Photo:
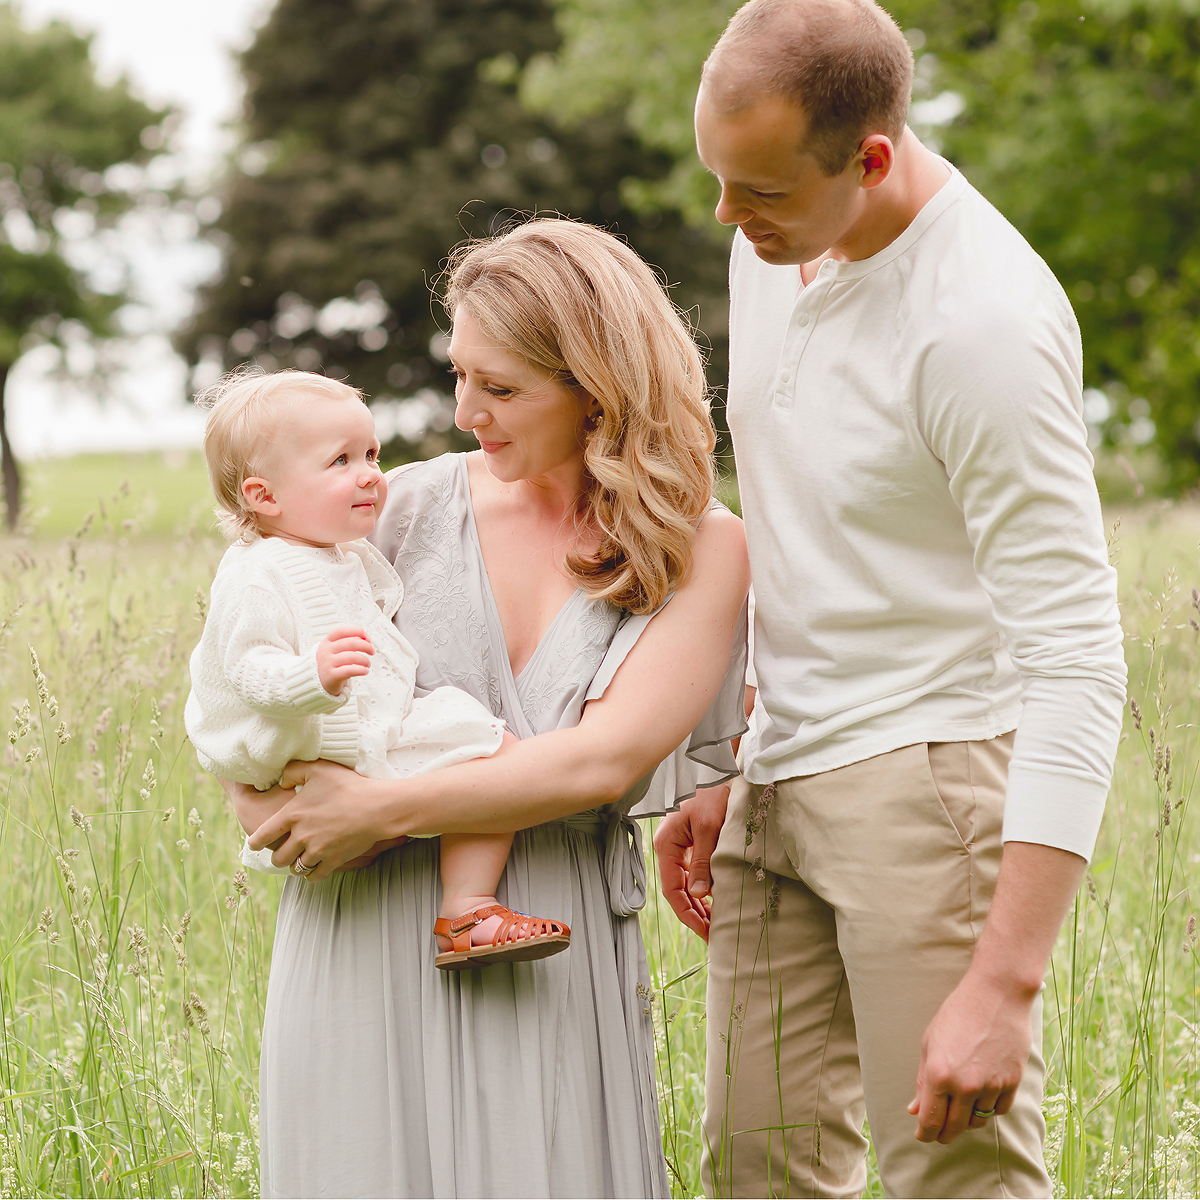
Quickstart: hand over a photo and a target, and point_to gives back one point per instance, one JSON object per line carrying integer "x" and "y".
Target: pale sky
{"x": 177, "y": 52}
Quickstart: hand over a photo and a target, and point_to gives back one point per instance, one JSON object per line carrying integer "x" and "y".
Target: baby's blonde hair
{"x": 245, "y": 409}
{"x": 579, "y": 304}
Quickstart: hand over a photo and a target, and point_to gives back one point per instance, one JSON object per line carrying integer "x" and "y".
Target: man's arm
{"x": 998, "y": 401}
{"x": 975, "y": 1049}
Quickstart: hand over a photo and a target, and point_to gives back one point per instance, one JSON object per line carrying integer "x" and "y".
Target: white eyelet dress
{"x": 383, "y": 1076}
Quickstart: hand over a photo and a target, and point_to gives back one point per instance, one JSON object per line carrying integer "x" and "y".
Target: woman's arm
{"x": 656, "y": 698}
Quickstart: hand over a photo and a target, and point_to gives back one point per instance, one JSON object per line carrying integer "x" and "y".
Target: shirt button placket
{"x": 795, "y": 340}
{"x": 808, "y": 306}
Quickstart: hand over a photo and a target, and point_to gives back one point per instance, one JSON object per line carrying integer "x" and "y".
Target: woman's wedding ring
{"x": 298, "y": 867}
{"x": 985, "y": 1112}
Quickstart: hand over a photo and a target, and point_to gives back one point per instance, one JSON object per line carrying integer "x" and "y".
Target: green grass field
{"x": 134, "y": 958}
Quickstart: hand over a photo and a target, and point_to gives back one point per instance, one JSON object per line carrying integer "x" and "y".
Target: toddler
{"x": 299, "y": 658}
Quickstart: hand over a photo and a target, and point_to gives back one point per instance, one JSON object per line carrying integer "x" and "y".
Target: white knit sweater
{"x": 257, "y": 702}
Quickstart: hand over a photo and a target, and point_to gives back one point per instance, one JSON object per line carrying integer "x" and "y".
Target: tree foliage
{"x": 380, "y": 133}
{"x": 644, "y": 57}
{"x": 1076, "y": 120}
{"x": 60, "y": 131}
{"x": 1079, "y": 126}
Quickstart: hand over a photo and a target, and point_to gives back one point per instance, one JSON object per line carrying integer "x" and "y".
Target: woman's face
{"x": 528, "y": 425}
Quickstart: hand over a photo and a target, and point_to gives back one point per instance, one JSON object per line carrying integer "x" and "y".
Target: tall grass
{"x": 134, "y": 956}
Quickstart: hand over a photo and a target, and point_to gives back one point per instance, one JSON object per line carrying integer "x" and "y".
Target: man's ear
{"x": 259, "y": 497}
{"x": 876, "y": 158}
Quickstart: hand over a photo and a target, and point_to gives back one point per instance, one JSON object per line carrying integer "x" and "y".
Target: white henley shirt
{"x": 926, "y": 542}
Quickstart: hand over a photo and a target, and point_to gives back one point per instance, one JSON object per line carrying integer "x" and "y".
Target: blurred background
{"x": 190, "y": 186}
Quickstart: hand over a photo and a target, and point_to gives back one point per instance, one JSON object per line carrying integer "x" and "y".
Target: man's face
{"x": 776, "y": 193}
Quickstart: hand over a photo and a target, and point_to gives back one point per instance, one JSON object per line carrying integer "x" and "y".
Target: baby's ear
{"x": 259, "y": 497}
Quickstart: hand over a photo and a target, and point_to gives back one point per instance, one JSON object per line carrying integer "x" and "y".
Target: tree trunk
{"x": 8, "y": 464}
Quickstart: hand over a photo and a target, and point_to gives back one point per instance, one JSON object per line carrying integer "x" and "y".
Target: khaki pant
{"x": 846, "y": 908}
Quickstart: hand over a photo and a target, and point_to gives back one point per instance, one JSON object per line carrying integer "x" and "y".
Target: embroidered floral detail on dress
{"x": 576, "y": 653}
{"x": 437, "y": 602}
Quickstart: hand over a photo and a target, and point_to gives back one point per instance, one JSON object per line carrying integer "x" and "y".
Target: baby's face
{"x": 324, "y": 482}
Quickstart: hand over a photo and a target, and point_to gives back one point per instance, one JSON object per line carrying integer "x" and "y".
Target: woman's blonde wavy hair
{"x": 577, "y": 303}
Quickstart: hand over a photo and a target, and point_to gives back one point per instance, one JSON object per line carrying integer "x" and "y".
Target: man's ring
{"x": 984, "y": 1112}
{"x": 298, "y": 867}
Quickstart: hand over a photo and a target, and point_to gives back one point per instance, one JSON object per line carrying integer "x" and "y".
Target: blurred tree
{"x": 60, "y": 130}
{"x": 1075, "y": 117}
{"x": 642, "y": 56}
{"x": 1079, "y": 124}
{"x": 378, "y": 134}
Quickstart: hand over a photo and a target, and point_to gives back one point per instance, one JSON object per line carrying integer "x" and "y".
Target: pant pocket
{"x": 950, "y": 769}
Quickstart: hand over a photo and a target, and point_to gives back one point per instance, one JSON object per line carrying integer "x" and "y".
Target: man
{"x": 930, "y": 571}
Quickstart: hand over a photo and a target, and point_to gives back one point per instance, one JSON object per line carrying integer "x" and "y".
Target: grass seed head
{"x": 24, "y": 723}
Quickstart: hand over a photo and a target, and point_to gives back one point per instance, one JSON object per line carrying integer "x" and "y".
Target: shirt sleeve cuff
{"x": 302, "y": 682}
{"x": 1054, "y": 808}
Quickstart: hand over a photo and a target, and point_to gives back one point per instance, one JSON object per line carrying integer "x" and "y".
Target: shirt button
{"x": 802, "y": 320}
{"x": 785, "y": 375}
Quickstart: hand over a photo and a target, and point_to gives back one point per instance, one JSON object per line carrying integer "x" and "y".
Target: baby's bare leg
{"x": 471, "y": 868}
{"x": 471, "y": 865}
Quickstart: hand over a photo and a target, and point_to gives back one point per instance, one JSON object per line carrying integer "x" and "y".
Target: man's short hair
{"x": 845, "y": 63}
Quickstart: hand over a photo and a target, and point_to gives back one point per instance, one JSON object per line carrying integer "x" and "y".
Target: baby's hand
{"x": 345, "y": 652}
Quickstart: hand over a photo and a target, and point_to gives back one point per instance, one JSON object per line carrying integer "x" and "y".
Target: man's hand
{"x": 972, "y": 1057}
{"x": 343, "y": 653}
{"x": 684, "y": 843}
{"x": 975, "y": 1049}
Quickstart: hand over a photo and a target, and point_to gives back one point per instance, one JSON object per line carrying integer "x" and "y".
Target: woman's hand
{"x": 252, "y": 808}
{"x": 329, "y": 822}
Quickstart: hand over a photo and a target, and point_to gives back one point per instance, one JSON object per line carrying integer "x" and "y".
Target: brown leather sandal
{"x": 519, "y": 938}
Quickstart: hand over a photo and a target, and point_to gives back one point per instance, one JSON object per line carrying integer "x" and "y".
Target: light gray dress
{"x": 383, "y": 1076}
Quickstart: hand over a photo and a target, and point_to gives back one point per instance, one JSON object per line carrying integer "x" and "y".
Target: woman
{"x": 576, "y": 559}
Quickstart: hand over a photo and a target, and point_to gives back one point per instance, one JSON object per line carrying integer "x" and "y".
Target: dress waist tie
{"x": 624, "y": 861}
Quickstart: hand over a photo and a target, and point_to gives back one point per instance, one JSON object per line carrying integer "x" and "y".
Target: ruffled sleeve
{"x": 705, "y": 758}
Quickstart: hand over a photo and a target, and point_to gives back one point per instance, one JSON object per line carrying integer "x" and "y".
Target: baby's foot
{"x": 463, "y": 906}
{"x": 468, "y": 940}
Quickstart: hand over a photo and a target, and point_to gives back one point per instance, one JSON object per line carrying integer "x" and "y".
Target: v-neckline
{"x": 489, "y": 596}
